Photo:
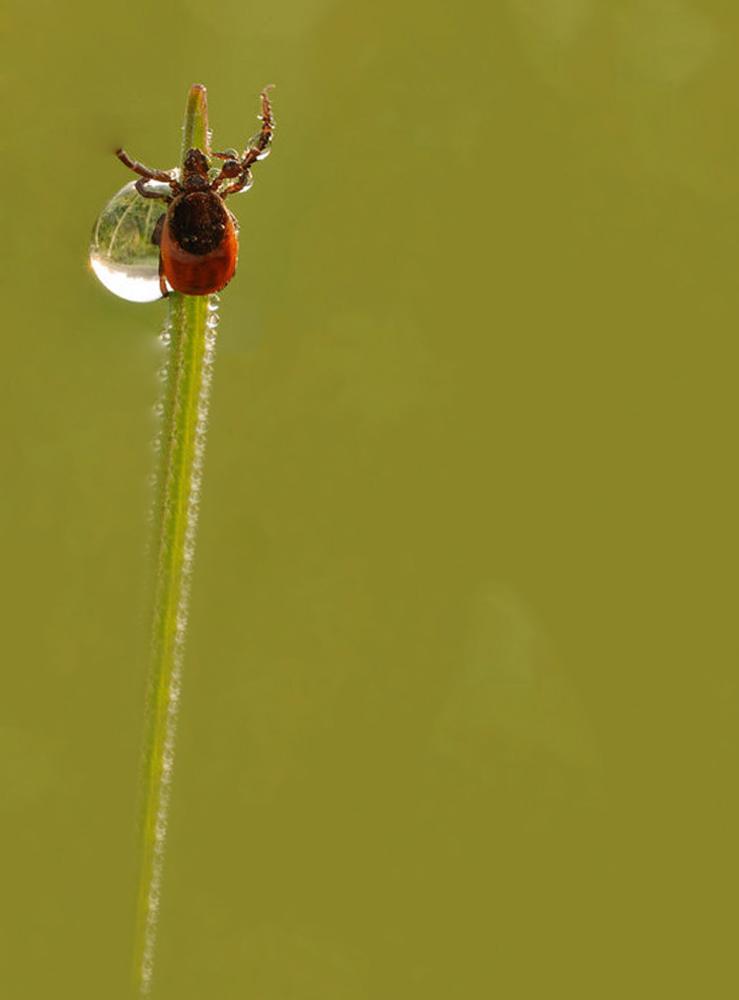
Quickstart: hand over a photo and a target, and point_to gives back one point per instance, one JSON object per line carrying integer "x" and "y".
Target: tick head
{"x": 196, "y": 170}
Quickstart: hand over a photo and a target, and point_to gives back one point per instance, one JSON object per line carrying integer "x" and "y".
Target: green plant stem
{"x": 191, "y": 334}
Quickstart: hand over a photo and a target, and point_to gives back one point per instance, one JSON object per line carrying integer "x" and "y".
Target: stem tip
{"x": 196, "y": 120}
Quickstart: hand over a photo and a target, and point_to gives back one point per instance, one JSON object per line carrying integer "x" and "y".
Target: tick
{"x": 198, "y": 236}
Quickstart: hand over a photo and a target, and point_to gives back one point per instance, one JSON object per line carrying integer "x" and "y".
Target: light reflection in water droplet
{"x": 247, "y": 187}
{"x": 131, "y": 284}
{"x": 121, "y": 252}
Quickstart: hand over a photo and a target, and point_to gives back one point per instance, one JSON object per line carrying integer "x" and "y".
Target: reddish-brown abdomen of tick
{"x": 199, "y": 245}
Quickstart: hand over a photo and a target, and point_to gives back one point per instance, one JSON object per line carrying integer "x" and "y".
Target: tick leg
{"x": 139, "y": 168}
{"x": 260, "y": 142}
{"x": 162, "y": 281}
{"x": 156, "y": 236}
{"x": 258, "y": 145}
{"x": 230, "y": 169}
{"x": 156, "y": 239}
{"x": 144, "y": 191}
{"x": 246, "y": 178}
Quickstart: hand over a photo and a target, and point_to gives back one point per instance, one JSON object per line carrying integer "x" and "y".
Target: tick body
{"x": 199, "y": 245}
{"x": 197, "y": 235}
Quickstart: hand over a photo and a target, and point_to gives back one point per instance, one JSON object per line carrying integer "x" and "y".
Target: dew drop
{"x": 121, "y": 252}
{"x": 247, "y": 187}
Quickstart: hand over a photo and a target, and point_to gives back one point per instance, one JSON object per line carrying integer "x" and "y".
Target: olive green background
{"x": 460, "y": 695}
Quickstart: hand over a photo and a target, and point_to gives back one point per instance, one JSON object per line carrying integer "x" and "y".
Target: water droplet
{"x": 165, "y": 337}
{"x": 248, "y": 186}
{"x": 121, "y": 252}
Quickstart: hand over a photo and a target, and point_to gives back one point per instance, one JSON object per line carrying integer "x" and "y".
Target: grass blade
{"x": 190, "y": 331}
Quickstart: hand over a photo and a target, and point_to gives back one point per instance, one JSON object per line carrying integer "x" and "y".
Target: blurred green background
{"x": 460, "y": 696}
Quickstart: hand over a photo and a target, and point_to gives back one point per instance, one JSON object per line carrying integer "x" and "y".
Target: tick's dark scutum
{"x": 198, "y": 222}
